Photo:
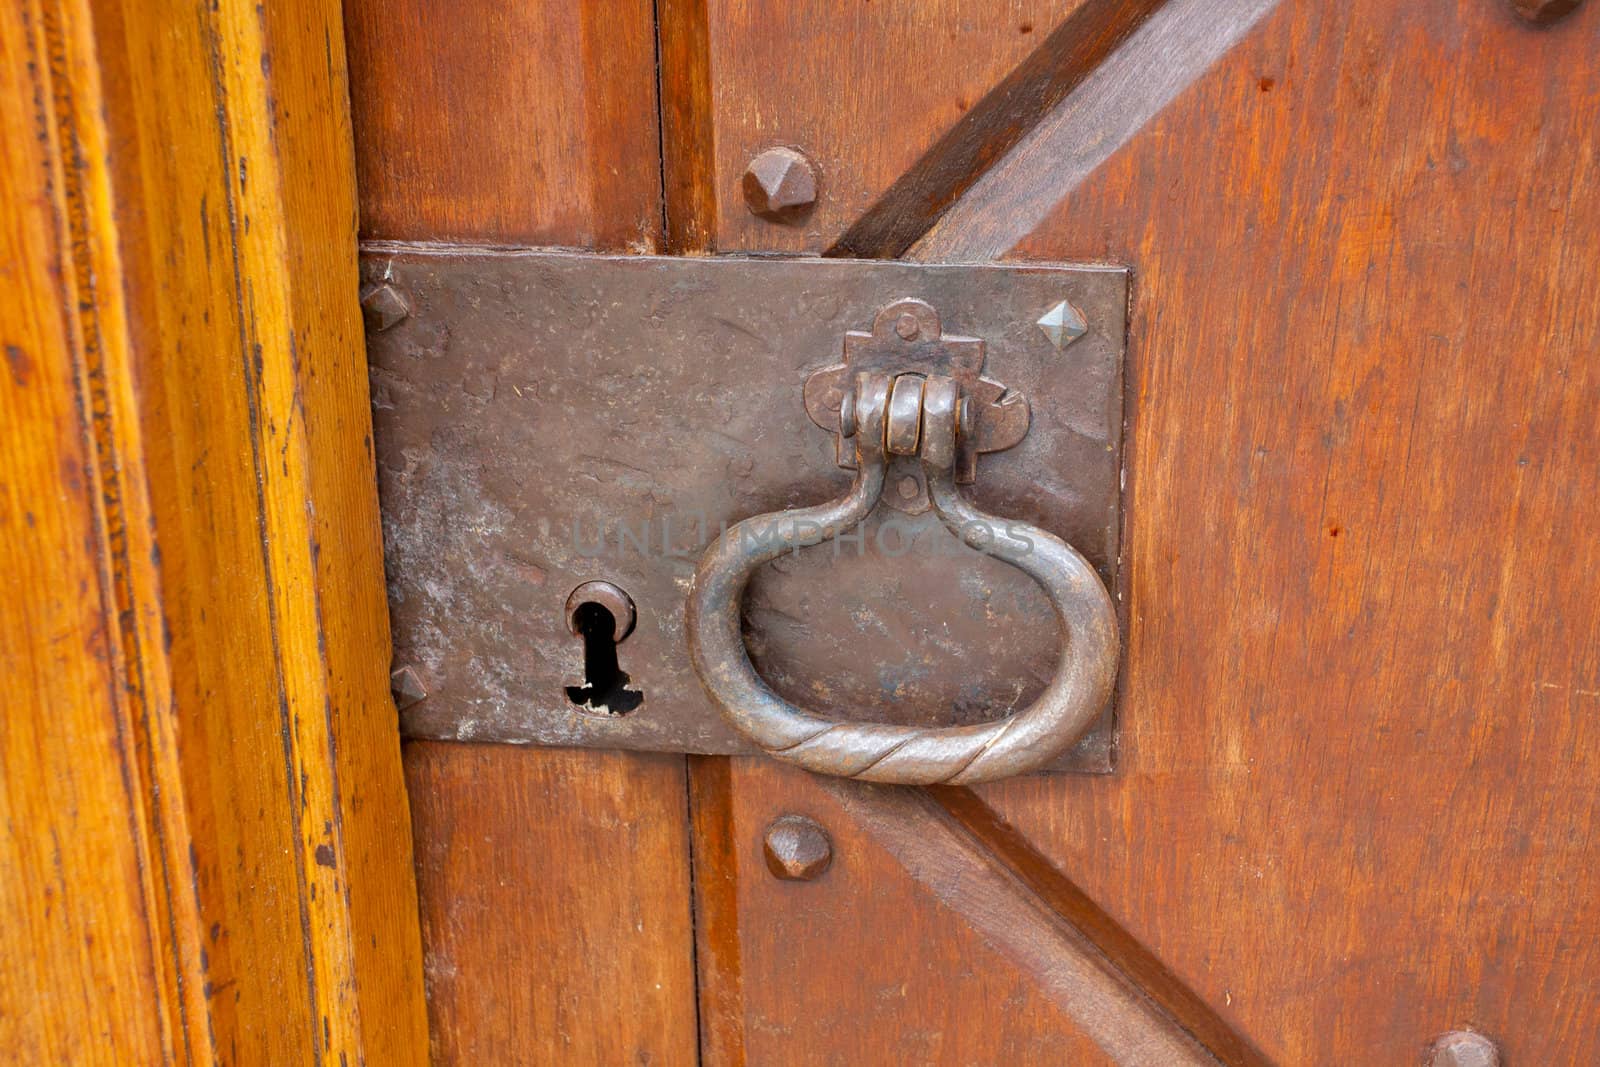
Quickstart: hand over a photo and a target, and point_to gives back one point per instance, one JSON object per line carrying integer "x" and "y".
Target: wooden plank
{"x": 987, "y": 130}
{"x": 688, "y": 131}
{"x": 554, "y": 904}
{"x": 870, "y": 963}
{"x": 533, "y": 122}
{"x": 1051, "y": 890}
{"x": 195, "y": 203}
{"x": 525, "y": 123}
{"x": 82, "y": 943}
{"x": 863, "y": 89}
{"x": 1104, "y": 1004}
{"x": 719, "y": 972}
{"x": 918, "y": 893}
{"x": 1357, "y": 798}
{"x": 1065, "y": 145}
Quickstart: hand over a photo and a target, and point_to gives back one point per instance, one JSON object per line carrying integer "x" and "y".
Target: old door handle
{"x": 905, "y": 414}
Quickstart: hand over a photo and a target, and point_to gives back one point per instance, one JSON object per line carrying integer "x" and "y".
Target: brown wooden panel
{"x": 952, "y": 955}
{"x": 78, "y": 950}
{"x": 1358, "y": 810}
{"x": 555, "y": 904}
{"x": 869, "y": 963}
{"x": 533, "y": 122}
{"x": 1357, "y": 801}
{"x": 191, "y": 194}
{"x": 249, "y": 350}
{"x": 862, "y": 89}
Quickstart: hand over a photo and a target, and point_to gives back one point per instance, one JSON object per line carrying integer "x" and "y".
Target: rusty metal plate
{"x": 544, "y": 420}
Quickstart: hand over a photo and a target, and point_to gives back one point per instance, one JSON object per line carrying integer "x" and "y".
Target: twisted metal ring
{"x": 883, "y": 752}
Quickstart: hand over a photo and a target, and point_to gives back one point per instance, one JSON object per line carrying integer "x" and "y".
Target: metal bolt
{"x": 847, "y": 413}
{"x": 382, "y": 307}
{"x": 407, "y": 688}
{"x": 1544, "y": 12}
{"x": 1462, "y": 1048}
{"x": 797, "y": 849}
{"x": 907, "y": 327}
{"x": 780, "y": 184}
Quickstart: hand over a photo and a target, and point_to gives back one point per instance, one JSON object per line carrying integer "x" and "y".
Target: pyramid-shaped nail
{"x": 1063, "y": 324}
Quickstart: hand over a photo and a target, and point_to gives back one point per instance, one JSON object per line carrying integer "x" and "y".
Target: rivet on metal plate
{"x": 1063, "y": 324}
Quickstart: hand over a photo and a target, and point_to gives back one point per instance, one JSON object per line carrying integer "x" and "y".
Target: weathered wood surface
{"x": 524, "y": 123}
{"x": 80, "y": 945}
{"x": 864, "y": 90}
{"x": 1357, "y": 796}
{"x": 554, "y": 904}
{"x": 206, "y": 849}
{"x": 1356, "y": 806}
{"x": 871, "y": 963}
{"x": 534, "y": 123}
{"x": 1355, "y": 802}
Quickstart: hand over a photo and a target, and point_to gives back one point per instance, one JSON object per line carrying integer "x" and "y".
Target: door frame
{"x": 209, "y": 840}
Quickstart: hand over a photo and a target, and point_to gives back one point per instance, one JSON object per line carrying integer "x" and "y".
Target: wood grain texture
{"x": 1357, "y": 798}
{"x": 555, "y": 904}
{"x": 534, "y": 123}
{"x": 1049, "y": 888}
{"x": 718, "y": 937}
{"x": 1105, "y": 109}
{"x": 984, "y": 967}
{"x": 868, "y": 963}
{"x": 526, "y": 123}
{"x": 688, "y": 129}
{"x": 84, "y": 976}
{"x": 862, "y": 89}
{"x": 919, "y": 196}
{"x": 192, "y": 200}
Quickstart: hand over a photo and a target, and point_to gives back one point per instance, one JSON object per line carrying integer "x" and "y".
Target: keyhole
{"x": 605, "y": 687}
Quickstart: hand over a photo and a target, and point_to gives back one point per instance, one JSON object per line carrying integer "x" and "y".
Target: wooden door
{"x": 1354, "y": 794}
{"x": 203, "y": 847}
{"x": 1351, "y": 816}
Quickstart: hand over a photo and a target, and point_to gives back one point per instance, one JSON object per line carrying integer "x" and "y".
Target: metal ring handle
{"x": 883, "y": 752}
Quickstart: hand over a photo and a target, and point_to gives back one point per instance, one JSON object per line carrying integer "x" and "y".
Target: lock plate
{"x": 543, "y": 420}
